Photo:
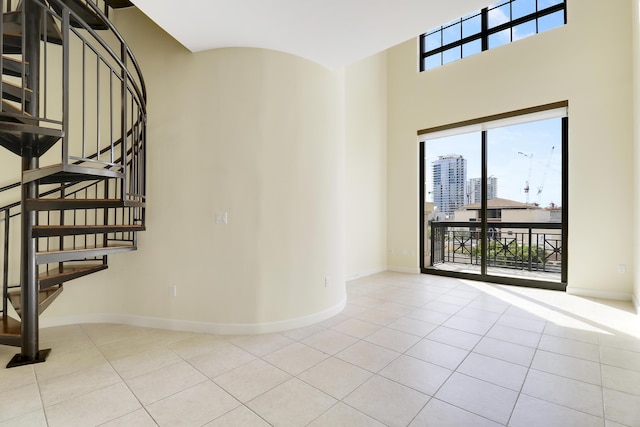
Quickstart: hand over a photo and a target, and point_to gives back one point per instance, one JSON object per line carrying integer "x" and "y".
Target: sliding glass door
{"x": 493, "y": 199}
{"x": 453, "y": 162}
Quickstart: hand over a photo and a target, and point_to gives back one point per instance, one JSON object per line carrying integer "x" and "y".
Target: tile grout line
{"x": 524, "y": 381}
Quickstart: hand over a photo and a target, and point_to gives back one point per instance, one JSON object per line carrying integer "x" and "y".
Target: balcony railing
{"x": 524, "y": 246}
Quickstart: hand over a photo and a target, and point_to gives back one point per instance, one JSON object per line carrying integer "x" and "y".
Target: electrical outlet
{"x": 326, "y": 281}
{"x": 173, "y": 290}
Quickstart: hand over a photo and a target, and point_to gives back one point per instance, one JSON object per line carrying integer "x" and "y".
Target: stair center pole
{"x": 28, "y": 274}
{"x": 29, "y": 282}
{"x": 30, "y": 351}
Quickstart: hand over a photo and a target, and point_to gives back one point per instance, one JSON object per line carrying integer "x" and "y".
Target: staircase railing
{"x": 106, "y": 100}
{"x": 131, "y": 213}
{"x": 92, "y": 95}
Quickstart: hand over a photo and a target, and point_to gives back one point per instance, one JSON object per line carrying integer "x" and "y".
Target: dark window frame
{"x": 485, "y": 31}
{"x": 483, "y": 212}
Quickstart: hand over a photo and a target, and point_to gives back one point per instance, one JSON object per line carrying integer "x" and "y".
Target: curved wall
{"x": 257, "y": 134}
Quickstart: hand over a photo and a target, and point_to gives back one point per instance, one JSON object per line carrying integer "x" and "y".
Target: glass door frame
{"x": 484, "y": 276}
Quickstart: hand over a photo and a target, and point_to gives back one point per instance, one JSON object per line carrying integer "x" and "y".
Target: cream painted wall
{"x": 586, "y": 62}
{"x": 255, "y": 133}
{"x": 366, "y": 166}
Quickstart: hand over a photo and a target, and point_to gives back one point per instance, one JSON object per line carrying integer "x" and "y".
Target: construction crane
{"x": 544, "y": 175}
{"x": 526, "y": 183}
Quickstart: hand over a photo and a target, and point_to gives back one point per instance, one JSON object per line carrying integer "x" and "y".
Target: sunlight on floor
{"x": 606, "y": 317}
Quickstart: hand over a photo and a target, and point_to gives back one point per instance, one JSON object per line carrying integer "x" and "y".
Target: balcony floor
{"x": 497, "y": 271}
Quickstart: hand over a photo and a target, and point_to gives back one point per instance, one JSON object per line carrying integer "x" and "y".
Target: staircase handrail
{"x": 142, "y": 92}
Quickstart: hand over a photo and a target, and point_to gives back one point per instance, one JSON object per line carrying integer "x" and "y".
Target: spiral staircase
{"x": 74, "y": 112}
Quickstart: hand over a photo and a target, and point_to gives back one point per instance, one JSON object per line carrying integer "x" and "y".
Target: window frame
{"x": 485, "y": 31}
{"x": 482, "y": 124}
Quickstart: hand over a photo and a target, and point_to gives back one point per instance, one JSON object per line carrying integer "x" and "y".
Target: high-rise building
{"x": 474, "y": 190}
{"x": 449, "y": 182}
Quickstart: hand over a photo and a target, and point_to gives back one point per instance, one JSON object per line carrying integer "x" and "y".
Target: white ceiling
{"x": 332, "y": 33}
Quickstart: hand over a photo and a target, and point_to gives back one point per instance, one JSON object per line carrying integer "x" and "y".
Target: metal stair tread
{"x": 11, "y": 135}
{"x": 68, "y": 230}
{"x": 85, "y": 252}
{"x": 68, "y": 173}
{"x": 30, "y": 128}
{"x": 45, "y": 204}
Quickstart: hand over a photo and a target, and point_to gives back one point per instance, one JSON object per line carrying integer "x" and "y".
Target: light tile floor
{"x": 408, "y": 350}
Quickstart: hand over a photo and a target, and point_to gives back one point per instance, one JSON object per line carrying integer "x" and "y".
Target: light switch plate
{"x": 221, "y": 217}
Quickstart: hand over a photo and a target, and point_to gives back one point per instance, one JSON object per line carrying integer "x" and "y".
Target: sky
{"x": 498, "y": 13}
{"x": 529, "y": 152}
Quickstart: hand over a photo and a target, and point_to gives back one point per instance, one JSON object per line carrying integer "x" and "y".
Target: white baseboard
{"x": 193, "y": 326}
{"x": 408, "y": 270}
{"x": 592, "y": 293}
{"x": 366, "y": 273}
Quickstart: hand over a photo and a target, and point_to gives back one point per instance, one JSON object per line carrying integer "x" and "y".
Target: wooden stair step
{"x": 14, "y": 67}
{"x": 78, "y": 254}
{"x": 61, "y": 173}
{"x": 9, "y": 326}
{"x": 73, "y": 230}
{"x": 12, "y": 133}
{"x": 45, "y": 298}
{"x": 66, "y": 272}
{"x": 10, "y": 331}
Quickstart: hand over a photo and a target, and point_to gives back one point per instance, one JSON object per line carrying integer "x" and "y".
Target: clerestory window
{"x": 495, "y": 25}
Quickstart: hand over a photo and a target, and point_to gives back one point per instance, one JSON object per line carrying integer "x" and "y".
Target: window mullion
{"x": 565, "y": 197}
{"x": 511, "y": 20}
{"x": 536, "y": 15}
{"x": 453, "y": 44}
{"x": 461, "y": 44}
{"x": 485, "y": 28}
{"x": 485, "y": 31}
{"x": 441, "y": 43}
{"x": 483, "y": 205}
